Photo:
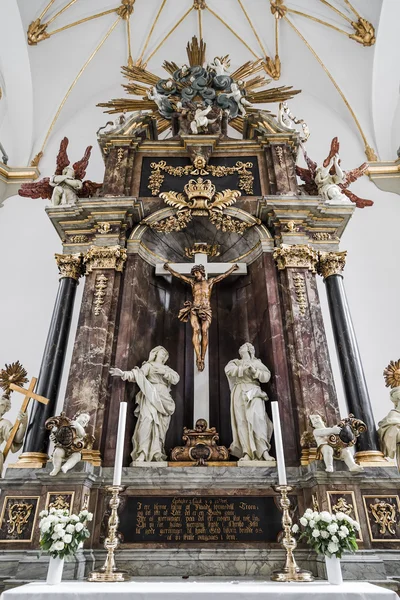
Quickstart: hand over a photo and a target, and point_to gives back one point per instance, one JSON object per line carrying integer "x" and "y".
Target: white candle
{"x": 119, "y": 451}
{"x": 280, "y": 459}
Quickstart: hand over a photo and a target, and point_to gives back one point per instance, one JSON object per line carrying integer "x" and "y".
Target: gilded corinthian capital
{"x": 104, "y": 257}
{"x": 297, "y": 256}
{"x": 331, "y": 263}
{"x": 69, "y": 265}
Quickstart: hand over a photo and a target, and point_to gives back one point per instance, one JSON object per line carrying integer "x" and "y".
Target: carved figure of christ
{"x": 199, "y": 313}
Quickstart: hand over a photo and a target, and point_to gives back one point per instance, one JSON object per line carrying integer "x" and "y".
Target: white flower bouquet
{"x": 327, "y": 534}
{"x": 62, "y": 534}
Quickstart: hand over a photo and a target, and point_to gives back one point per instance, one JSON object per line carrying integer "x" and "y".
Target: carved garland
{"x": 99, "y": 293}
{"x": 246, "y": 178}
{"x": 300, "y": 291}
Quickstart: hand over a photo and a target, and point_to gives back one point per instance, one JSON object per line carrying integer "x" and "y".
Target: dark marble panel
{"x": 173, "y": 182}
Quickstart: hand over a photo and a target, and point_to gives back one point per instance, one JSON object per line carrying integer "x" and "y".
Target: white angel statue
{"x": 389, "y": 428}
{"x": 251, "y": 426}
{"x": 236, "y": 94}
{"x": 328, "y": 182}
{"x": 155, "y": 405}
{"x": 65, "y": 187}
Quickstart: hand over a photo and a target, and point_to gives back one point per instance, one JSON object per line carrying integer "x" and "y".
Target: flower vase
{"x": 333, "y": 570}
{"x": 55, "y": 571}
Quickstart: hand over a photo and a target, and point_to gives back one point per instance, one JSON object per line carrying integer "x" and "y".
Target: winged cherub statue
{"x": 66, "y": 185}
{"x": 329, "y": 181}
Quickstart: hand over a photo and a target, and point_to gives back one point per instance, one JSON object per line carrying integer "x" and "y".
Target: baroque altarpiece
{"x": 200, "y": 193}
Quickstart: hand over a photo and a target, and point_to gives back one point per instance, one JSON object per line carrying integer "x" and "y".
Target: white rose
{"x": 325, "y": 516}
{"x": 308, "y": 512}
{"x": 59, "y": 546}
{"x": 79, "y": 527}
{"x": 332, "y": 528}
{"x": 324, "y": 534}
{"x": 332, "y": 548}
{"x": 55, "y": 536}
{"x": 356, "y": 526}
{"x": 89, "y": 517}
{"x": 64, "y": 519}
{"x": 59, "y": 527}
{"x": 316, "y": 533}
{"x": 74, "y": 518}
{"x": 295, "y": 528}
{"x": 44, "y": 528}
{"x": 317, "y": 518}
{"x": 67, "y": 538}
{"x": 70, "y": 528}
{"x": 341, "y": 535}
{"x": 312, "y": 523}
{"x": 335, "y": 539}
{"x": 303, "y": 521}
{"x": 84, "y": 513}
{"x": 341, "y": 516}
{"x": 344, "y": 529}
{"x": 43, "y": 513}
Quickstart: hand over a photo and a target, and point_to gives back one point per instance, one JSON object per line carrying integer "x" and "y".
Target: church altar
{"x": 232, "y": 590}
{"x": 200, "y": 316}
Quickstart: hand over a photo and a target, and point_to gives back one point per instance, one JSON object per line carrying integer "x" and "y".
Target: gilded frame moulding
{"x": 331, "y": 263}
{"x": 246, "y": 178}
{"x": 299, "y": 256}
{"x": 378, "y": 520}
{"x": 70, "y": 265}
{"x": 104, "y": 257}
{"x": 2, "y": 518}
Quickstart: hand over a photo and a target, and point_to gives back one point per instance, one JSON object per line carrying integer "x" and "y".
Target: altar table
{"x": 199, "y": 590}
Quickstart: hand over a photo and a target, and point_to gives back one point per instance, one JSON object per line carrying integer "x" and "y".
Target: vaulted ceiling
{"x": 71, "y": 58}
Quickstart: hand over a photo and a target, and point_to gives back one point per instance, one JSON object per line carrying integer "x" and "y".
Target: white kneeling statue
{"x": 251, "y": 426}
{"x": 155, "y": 405}
{"x": 389, "y": 428}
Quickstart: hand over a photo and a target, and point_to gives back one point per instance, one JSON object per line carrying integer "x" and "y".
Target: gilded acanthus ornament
{"x": 37, "y": 32}
{"x": 99, "y": 293}
{"x": 385, "y": 516}
{"x": 126, "y": 9}
{"x": 331, "y": 263}
{"x": 202, "y": 248}
{"x": 300, "y": 256}
{"x": 201, "y": 445}
{"x": 69, "y": 265}
{"x": 364, "y": 32}
{"x": 105, "y": 257}
{"x": 60, "y": 502}
{"x": 300, "y": 291}
{"x": 201, "y": 200}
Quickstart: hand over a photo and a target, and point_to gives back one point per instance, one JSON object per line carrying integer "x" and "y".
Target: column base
{"x": 92, "y": 456}
{"x": 30, "y": 460}
{"x": 372, "y": 458}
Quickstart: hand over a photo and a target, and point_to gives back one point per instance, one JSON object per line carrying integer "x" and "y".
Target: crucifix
{"x": 29, "y": 393}
{"x": 199, "y": 311}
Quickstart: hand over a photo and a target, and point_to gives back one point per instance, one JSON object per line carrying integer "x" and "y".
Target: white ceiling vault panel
{"x": 66, "y": 80}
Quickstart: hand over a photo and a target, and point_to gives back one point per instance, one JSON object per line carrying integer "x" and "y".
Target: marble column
{"x": 37, "y": 437}
{"x": 89, "y": 381}
{"x": 311, "y": 378}
{"x": 331, "y": 265}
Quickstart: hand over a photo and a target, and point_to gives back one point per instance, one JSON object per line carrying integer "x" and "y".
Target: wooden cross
{"x": 29, "y": 393}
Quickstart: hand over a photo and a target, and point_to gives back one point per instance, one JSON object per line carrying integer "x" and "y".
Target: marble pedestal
{"x": 251, "y": 556}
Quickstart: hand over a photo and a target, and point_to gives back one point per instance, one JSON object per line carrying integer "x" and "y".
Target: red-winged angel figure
{"x": 66, "y": 185}
{"x": 308, "y": 175}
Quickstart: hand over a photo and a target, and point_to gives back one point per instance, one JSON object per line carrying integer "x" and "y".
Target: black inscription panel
{"x": 169, "y": 181}
{"x": 194, "y": 519}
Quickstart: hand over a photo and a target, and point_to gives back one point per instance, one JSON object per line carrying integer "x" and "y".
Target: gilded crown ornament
{"x": 202, "y": 248}
{"x": 199, "y": 189}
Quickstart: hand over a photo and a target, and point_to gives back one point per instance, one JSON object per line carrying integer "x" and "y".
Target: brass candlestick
{"x": 290, "y": 572}
{"x": 109, "y": 571}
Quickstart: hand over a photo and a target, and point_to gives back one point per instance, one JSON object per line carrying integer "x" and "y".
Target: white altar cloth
{"x": 199, "y": 590}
